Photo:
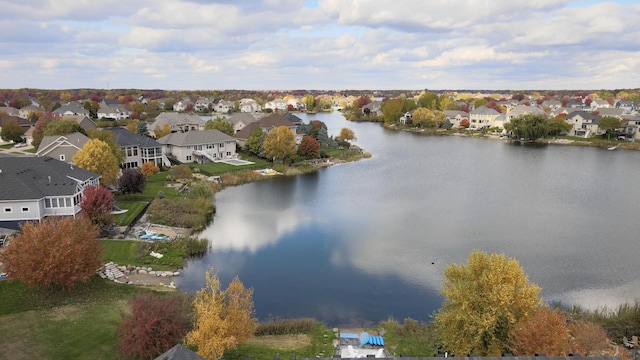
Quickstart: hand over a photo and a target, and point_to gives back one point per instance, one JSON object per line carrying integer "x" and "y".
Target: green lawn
{"x": 134, "y": 207}
{"x": 136, "y": 253}
{"x": 154, "y": 185}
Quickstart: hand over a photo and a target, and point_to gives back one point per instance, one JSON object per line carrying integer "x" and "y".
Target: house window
{"x": 8, "y": 210}
{"x": 228, "y": 153}
{"x": 62, "y": 157}
{"x": 47, "y": 203}
{"x": 188, "y": 157}
{"x": 221, "y": 145}
{"x": 209, "y": 146}
{"x": 25, "y": 209}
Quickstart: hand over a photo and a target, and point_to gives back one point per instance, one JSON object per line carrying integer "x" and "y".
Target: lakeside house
{"x": 199, "y": 146}
{"x": 265, "y": 124}
{"x": 37, "y": 187}
{"x": 138, "y": 149}
{"x": 177, "y": 122}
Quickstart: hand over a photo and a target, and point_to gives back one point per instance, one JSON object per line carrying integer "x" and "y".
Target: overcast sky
{"x": 320, "y": 44}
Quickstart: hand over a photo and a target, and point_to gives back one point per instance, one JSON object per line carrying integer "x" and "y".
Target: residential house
{"x": 627, "y": 105}
{"x": 551, "y": 104}
{"x": 202, "y": 105}
{"x": 296, "y": 104}
{"x": 276, "y": 105}
{"x": 265, "y": 124}
{"x": 37, "y": 187}
{"x": 249, "y": 106}
{"x": 630, "y": 127}
{"x": 294, "y": 119}
{"x": 25, "y": 111}
{"x": 575, "y": 103}
{"x": 225, "y": 107}
{"x": 71, "y": 109}
{"x": 84, "y": 121}
{"x": 584, "y": 123}
{"x": 61, "y": 147}
{"x": 240, "y": 120}
{"x": 455, "y": 117}
{"x": 613, "y": 112}
{"x": 524, "y": 110}
{"x": 178, "y": 122}
{"x": 24, "y": 124}
{"x": 115, "y": 111}
{"x": 597, "y": 104}
{"x": 499, "y": 122}
{"x": 182, "y": 105}
{"x": 559, "y": 111}
{"x": 373, "y": 108}
{"x": 8, "y": 110}
{"x": 138, "y": 149}
{"x": 482, "y": 117}
{"x": 407, "y": 118}
{"x": 199, "y": 146}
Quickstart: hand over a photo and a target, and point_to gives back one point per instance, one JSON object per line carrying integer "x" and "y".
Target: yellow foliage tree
{"x": 161, "y": 131}
{"x": 132, "y": 126}
{"x": 96, "y": 156}
{"x": 279, "y": 144}
{"x": 484, "y": 299}
{"x": 223, "y": 320}
{"x": 149, "y": 169}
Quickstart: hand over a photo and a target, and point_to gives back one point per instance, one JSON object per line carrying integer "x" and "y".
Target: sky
{"x": 320, "y": 44}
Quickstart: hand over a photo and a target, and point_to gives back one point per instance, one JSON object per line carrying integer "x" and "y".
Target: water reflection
{"x": 370, "y": 239}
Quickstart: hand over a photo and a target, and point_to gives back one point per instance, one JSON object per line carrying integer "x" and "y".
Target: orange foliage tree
{"x": 154, "y": 326}
{"x": 149, "y": 169}
{"x": 551, "y": 332}
{"x": 55, "y": 253}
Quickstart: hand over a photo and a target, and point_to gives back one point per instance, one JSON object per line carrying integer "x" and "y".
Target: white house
{"x": 200, "y": 146}
{"x": 584, "y": 124}
{"x": 249, "y": 106}
{"x": 276, "y": 105}
{"x": 482, "y": 117}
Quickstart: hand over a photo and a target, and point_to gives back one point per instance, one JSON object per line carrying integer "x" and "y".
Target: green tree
{"x": 96, "y": 156}
{"x": 557, "y": 126}
{"x": 392, "y": 110}
{"x": 527, "y": 126}
{"x": 254, "y": 142}
{"x": 484, "y": 299}
{"x": 309, "y": 101}
{"x": 429, "y": 100}
{"x": 609, "y": 124}
{"x": 92, "y": 107}
{"x": 279, "y": 144}
{"x": 11, "y": 131}
{"x": 221, "y": 124}
{"x": 63, "y": 127}
{"x": 142, "y": 129}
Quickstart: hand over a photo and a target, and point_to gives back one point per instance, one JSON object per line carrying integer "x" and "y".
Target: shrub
{"x": 155, "y": 325}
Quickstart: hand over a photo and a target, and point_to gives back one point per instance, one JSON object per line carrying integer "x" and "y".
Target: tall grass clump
{"x": 287, "y": 327}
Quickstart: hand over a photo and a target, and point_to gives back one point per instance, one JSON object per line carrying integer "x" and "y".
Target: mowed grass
{"x": 154, "y": 184}
{"x": 78, "y": 324}
{"x": 134, "y": 209}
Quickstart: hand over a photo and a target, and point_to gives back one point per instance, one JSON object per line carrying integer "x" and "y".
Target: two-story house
{"x": 240, "y": 120}
{"x": 482, "y": 117}
{"x": 199, "y": 146}
{"x": 249, "y": 106}
{"x": 455, "y": 117}
{"x": 138, "y": 149}
{"x": 37, "y": 187}
{"x": 225, "y": 106}
{"x": 61, "y": 147}
{"x": 584, "y": 123}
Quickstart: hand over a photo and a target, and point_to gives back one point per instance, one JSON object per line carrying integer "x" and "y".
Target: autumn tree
{"x": 149, "y": 169}
{"x": 223, "y": 319}
{"x": 484, "y": 299}
{"x": 609, "y": 124}
{"x": 132, "y": 126}
{"x": 96, "y": 156}
{"x": 465, "y": 123}
{"x": 109, "y": 138}
{"x": 429, "y": 100}
{"x": 347, "y": 134}
{"x": 161, "y": 131}
{"x": 154, "y": 326}
{"x": 62, "y": 127}
{"x": 220, "y": 124}
{"x": 423, "y": 117}
{"x": 92, "y": 107}
{"x": 97, "y": 203}
{"x": 132, "y": 181}
{"x": 279, "y": 144}
{"x": 309, "y": 147}
{"x": 392, "y": 110}
{"x": 11, "y": 131}
{"x": 552, "y": 332}
{"x": 57, "y": 252}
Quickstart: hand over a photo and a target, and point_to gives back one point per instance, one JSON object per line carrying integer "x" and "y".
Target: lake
{"x": 362, "y": 242}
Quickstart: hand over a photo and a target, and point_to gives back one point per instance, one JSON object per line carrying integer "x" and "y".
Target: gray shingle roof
{"x": 179, "y": 352}
{"x": 37, "y": 177}
{"x": 125, "y": 137}
{"x": 76, "y": 139}
{"x": 195, "y": 138}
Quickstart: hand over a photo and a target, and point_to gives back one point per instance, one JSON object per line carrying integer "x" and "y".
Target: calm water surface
{"x": 369, "y": 240}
